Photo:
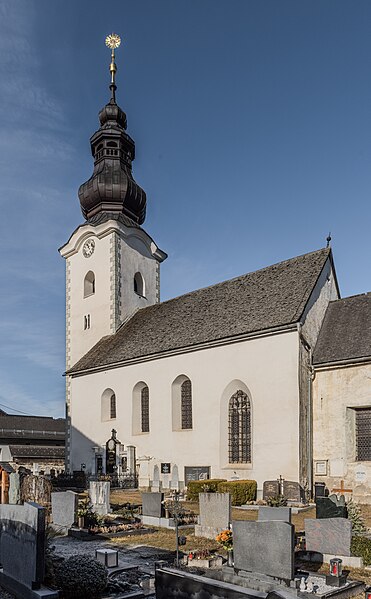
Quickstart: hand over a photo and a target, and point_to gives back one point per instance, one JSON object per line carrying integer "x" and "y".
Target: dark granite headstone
{"x": 271, "y": 488}
{"x": 330, "y": 535}
{"x": 292, "y": 491}
{"x": 274, "y": 513}
{"x": 22, "y": 543}
{"x": 331, "y": 507}
{"x": 264, "y": 547}
{"x": 152, "y": 504}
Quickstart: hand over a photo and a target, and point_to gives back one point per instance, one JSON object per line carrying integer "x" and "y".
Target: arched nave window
{"x": 239, "y": 420}
{"x": 181, "y": 393}
{"x": 89, "y": 283}
{"x": 140, "y": 410}
{"x": 108, "y": 405}
{"x": 144, "y": 408}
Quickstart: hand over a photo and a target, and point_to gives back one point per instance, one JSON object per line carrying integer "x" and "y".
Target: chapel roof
{"x": 268, "y": 298}
{"x": 346, "y": 331}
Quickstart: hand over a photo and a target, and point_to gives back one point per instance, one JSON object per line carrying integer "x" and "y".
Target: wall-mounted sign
{"x": 165, "y": 468}
{"x": 321, "y": 468}
{"x": 196, "y": 473}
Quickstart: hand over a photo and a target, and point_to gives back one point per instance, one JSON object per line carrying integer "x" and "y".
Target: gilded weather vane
{"x": 113, "y": 41}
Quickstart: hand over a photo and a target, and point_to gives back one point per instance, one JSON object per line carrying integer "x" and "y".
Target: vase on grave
{"x": 230, "y": 558}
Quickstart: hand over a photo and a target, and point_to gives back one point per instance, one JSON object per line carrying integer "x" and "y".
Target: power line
{"x": 15, "y": 410}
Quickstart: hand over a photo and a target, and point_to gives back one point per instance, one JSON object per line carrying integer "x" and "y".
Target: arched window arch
{"x": 140, "y": 410}
{"x": 139, "y": 286}
{"x": 144, "y": 409}
{"x": 181, "y": 396}
{"x": 239, "y": 428}
{"x": 89, "y": 283}
{"x": 108, "y": 405}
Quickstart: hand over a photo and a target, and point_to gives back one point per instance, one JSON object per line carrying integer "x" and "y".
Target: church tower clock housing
{"x": 112, "y": 264}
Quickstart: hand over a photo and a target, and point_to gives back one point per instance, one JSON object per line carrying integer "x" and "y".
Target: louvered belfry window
{"x": 363, "y": 434}
{"x": 145, "y": 409}
{"x": 239, "y": 428}
{"x": 186, "y": 404}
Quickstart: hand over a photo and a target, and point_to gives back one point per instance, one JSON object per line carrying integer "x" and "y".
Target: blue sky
{"x": 252, "y": 127}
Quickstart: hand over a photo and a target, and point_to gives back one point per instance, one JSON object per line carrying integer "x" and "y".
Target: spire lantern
{"x": 111, "y": 188}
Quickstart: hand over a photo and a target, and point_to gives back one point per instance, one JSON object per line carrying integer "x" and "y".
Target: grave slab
{"x": 331, "y": 507}
{"x": 99, "y": 493}
{"x": 329, "y": 535}
{"x": 274, "y": 513}
{"x": 215, "y": 514}
{"x": 152, "y": 504}
{"x": 271, "y": 488}
{"x": 264, "y": 547}
{"x": 64, "y": 508}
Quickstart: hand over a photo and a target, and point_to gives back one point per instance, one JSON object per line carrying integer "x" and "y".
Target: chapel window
{"x": 186, "y": 404}
{"x": 239, "y": 428}
{"x": 89, "y": 284}
{"x": 108, "y": 405}
{"x": 363, "y": 434}
{"x": 144, "y": 408}
{"x": 86, "y": 322}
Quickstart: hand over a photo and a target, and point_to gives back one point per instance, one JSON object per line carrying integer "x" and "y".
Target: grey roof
{"x": 346, "y": 331}
{"x": 45, "y": 427}
{"x": 271, "y": 297}
{"x": 33, "y": 451}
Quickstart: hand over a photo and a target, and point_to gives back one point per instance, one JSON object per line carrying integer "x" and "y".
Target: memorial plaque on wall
{"x": 165, "y": 468}
{"x": 292, "y": 491}
{"x": 196, "y": 473}
{"x": 271, "y": 488}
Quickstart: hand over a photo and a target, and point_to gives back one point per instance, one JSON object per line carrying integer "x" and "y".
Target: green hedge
{"x": 241, "y": 491}
{"x": 209, "y": 485}
{"x": 361, "y": 547}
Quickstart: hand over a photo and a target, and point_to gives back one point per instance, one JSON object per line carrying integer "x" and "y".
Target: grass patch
{"x": 165, "y": 539}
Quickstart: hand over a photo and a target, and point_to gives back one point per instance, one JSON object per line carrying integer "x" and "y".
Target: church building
{"x": 222, "y": 382}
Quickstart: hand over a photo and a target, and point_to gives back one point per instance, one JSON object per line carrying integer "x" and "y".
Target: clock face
{"x": 88, "y": 248}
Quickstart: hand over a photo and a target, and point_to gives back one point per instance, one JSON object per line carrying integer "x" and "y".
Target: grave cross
{"x": 342, "y": 489}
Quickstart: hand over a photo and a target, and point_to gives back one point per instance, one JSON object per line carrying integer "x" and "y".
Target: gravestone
{"x": 99, "y": 494}
{"x": 274, "y": 513}
{"x": 155, "y": 487}
{"x": 271, "y": 488}
{"x": 215, "y": 514}
{"x": 36, "y": 489}
{"x": 22, "y": 549}
{"x": 64, "y": 508}
{"x": 152, "y": 504}
{"x": 174, "y": 482}
{"x": 264, "y": 547}
{"x": 14, "y": 488}
{"x": 330, "y": 535}
{"x": 292, "y": 491}
{"x": 331, "y": 507}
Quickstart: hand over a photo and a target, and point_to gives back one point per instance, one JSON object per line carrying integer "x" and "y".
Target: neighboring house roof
{"x": 34, "y": 451}
{"x": 271, "y": 297}
{"x": 31, "y": 427}
{"x": 346, "y": 331}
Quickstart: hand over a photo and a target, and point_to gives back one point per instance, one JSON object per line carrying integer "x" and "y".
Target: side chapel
{"x": 251, "y": 378}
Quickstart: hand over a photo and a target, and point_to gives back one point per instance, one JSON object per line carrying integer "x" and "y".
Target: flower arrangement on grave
{"x": 225, "y": 539}
{"x": 199, "y": 554}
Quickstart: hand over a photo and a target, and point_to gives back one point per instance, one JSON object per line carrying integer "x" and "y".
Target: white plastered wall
{"x": 336, "y": 392}
{"x": 267, "y": 367}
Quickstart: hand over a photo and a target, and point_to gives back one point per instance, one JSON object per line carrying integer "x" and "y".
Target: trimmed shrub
{"x": 361, "y": 547}
{"x": 241, "y": 491}
{"x": 195, "y": 487}
{"x": 80, "y": 576}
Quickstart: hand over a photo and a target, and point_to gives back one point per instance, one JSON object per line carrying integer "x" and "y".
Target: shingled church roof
{"x": 271, "y": 297}
{"x": 346, "y": 331}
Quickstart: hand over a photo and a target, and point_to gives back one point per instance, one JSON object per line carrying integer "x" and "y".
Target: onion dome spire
{"x": 111, "y": 188}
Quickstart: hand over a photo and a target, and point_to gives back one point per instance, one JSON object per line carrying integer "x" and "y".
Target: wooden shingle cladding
{"x": 273, "y": 297}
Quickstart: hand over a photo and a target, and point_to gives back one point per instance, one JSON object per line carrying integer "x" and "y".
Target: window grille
{"x": 113, "y": 406}
{"x": 363, "y": 434}
{"x": 239, "y": 428}
{"x": 145, "y": 409}
{"x": 186, "y": 404}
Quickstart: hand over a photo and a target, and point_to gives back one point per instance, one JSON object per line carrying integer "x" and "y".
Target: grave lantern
{"x": 336, "y": 567}
{"x": 108, "y": 557}
{"x": 368, "y": 593}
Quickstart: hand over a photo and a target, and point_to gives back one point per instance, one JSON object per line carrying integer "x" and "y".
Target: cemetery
{"x": 165, "y": 544}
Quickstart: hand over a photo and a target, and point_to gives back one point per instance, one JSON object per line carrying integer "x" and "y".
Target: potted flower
{"x": 225, "y": 539}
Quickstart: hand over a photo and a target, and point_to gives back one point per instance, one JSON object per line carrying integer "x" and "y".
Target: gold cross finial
{"x": 113, "y": 41}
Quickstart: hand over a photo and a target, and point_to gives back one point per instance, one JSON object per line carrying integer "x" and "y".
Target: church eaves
{"x": 345, "y": 334}
{"x": 273, "y": 297}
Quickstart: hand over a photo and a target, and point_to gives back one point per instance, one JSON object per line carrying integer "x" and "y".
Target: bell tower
{"x": 112, "y": 264}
